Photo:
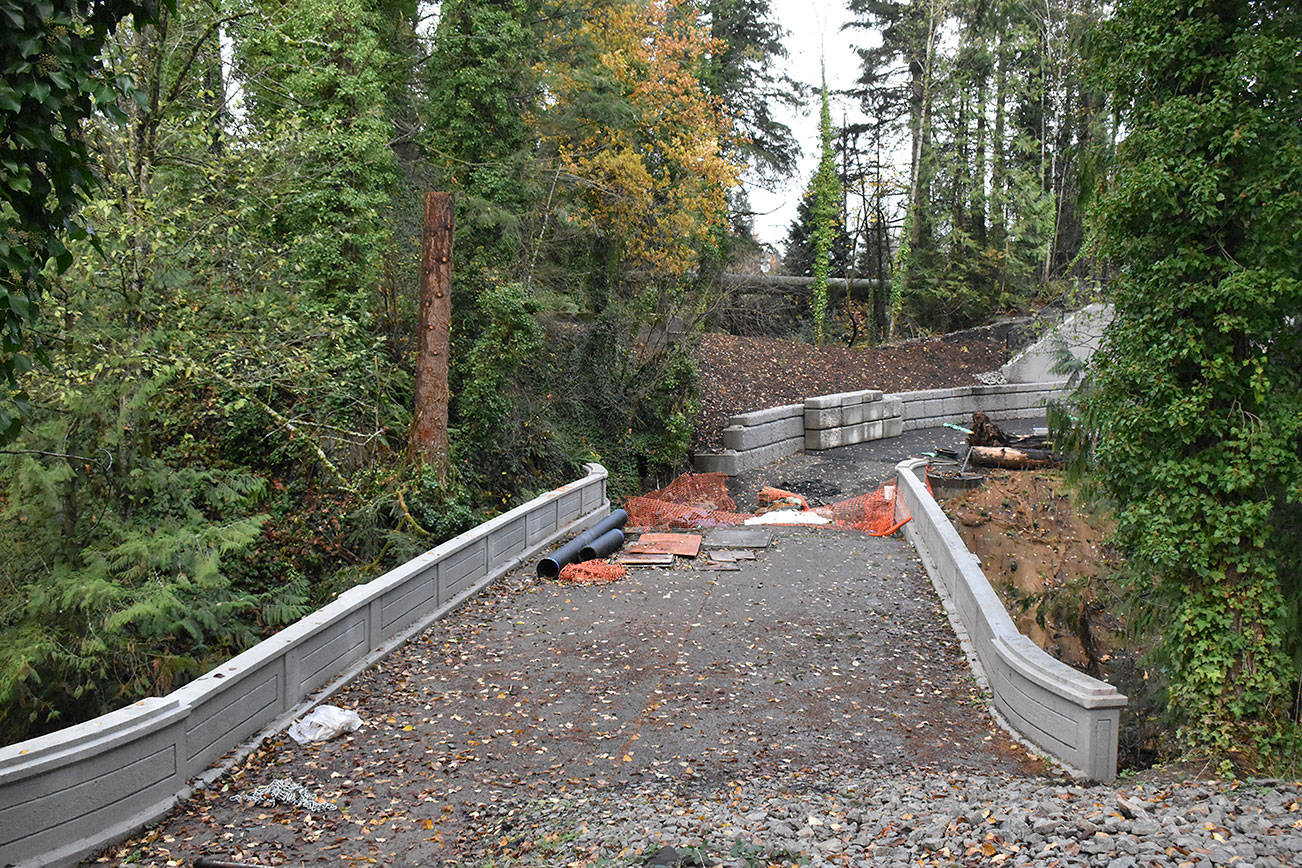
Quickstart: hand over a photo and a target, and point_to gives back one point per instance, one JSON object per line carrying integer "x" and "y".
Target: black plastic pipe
{"x": 550, "y": 567}
{"x": 606, "y": 544}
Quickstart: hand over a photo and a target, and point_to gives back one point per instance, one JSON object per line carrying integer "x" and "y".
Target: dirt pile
{"x": 739, "y": 374}
{"x": 1047, "y": 559}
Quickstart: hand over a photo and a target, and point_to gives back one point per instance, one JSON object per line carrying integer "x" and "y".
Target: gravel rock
{"x": 929, "y": 819}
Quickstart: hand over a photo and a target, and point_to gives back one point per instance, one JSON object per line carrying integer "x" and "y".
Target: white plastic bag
{"x": 324, "y": 723}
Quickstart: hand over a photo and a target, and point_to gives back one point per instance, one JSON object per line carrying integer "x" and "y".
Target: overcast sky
{"x": 813, "y": 31}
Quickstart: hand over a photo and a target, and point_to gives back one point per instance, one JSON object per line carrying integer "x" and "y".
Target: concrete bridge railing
{"x": 1068, "y": 714}
{"x": 66, "y": 794}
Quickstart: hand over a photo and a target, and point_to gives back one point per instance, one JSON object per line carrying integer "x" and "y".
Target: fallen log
{"x": 1012, "y": 458}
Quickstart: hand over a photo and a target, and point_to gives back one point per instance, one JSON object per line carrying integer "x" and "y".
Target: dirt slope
{"x": 745, "y": 373}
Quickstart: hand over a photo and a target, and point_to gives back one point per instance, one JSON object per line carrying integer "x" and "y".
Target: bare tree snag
{"x": 428, "y": 440}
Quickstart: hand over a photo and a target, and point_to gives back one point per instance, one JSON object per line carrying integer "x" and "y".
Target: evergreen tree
{"x": 742, "y": 74}
{"x": 1001, "y": 130}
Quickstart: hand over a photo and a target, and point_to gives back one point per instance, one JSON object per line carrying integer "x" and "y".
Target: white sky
{"x": 813, "y": 31}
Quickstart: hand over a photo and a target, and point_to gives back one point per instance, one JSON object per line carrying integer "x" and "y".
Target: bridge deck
{"x": 830, "y": 651}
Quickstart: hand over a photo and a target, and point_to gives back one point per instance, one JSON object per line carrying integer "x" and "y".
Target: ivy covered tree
{"x": 1197, "y": 402}
{"x": 798, "y": 249}
{"x": 826, "y": 210}
{"x": 318, "y": 78}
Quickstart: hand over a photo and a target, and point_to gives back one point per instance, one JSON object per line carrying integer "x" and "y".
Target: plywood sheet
{"x": 686, "y": 545}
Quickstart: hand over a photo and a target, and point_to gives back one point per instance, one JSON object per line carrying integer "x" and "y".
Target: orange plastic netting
{"x": 693, "y": 500}
{"x": 701, "y": 500}
{"x": 596, "y": 572}
{"x": 878, "y": 513}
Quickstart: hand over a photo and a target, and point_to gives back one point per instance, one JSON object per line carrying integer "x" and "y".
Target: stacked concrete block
{"x": 931, "y": 407}
{"x": 847, "y": 418}
{"x": 70, "y": 792}
{"x": 757, "y": 438}
{"x": 1070, "y": 715}
{"x": 828, "y": 421}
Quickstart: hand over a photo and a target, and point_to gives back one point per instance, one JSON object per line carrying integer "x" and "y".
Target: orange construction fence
{"x": 701, "y": 500}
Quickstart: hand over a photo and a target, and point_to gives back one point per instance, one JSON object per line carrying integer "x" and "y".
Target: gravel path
{"x": 828, "y": 650}
{"x": 825, "y": 818}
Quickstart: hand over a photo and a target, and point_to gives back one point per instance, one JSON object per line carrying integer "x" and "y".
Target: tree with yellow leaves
{"x": 636, "y": 131}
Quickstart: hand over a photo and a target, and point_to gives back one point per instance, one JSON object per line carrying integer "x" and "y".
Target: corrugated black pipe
{"x": 550, "y": 567}
{"x": 608, "y": 543}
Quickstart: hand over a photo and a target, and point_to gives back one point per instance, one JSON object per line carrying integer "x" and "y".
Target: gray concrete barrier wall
{"x": 66, "y": 794}
{"x": 1068, "y": 714}
{"x": 827, "y": 421}
{"x": 757, "y": 438}
{"x": 847, "y": 418}
{"x": 930, "y": 407}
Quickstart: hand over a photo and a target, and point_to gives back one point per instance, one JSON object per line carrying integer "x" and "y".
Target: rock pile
{"x": 923, "y": 820}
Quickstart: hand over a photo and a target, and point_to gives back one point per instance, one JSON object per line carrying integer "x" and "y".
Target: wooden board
{"x": 687, "y": 545}
{"x": 649, "y": 559}
{"x": 733, "y": 554}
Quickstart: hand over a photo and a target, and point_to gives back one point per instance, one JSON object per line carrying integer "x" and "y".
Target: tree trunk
{"x": 1012, "y": 459}
{"x": 428, "y": 440}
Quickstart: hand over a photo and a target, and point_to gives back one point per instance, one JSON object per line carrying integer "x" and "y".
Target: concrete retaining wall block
{"x": 741, "y": 438}
{"x": 772, "y": 414}
{"x": 1066, "y": 713}
{"x": 822, "y": 402}
{"x": 863, "y": 396}
{"x": 823, "y": 417}
{"x": 825, "y": 438}
{"x": 66, "y": 794}
{"x": 828, "y": 421}
{"x": 716, "y": 462}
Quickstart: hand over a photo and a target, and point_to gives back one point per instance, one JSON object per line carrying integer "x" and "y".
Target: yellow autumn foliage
{"x": 653, "y": 177}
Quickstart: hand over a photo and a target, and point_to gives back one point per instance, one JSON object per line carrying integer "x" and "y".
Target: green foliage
{"x": 622, "y": 399}
{"x": 157, "y": 507}
{"x": 502, "y": 433}
{"x": 51, "y": 81}
{"x": 481, "y": 86}
{"x": 742, "y": 73}
{"x": 1005, "y": 137}
{"x": 318, "y": 78}
{"x": 1195, "y": 408}
{"x": 216, "y": 445}
{"x": 825, "y": 212}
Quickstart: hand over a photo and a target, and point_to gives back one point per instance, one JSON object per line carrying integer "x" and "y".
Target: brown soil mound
{"x": 739, "y": 374}
{"x": 1048, "y": 559}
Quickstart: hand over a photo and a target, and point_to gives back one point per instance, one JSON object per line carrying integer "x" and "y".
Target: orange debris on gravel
{"x": 775, "y": 498}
